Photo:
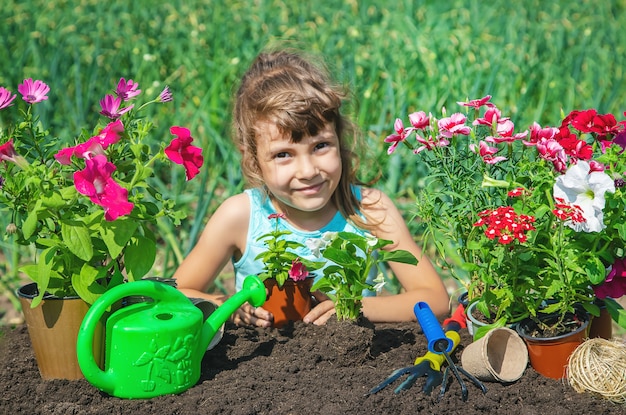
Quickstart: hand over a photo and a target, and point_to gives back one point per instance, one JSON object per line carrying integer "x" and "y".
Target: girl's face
{"x": 301, "y": 176}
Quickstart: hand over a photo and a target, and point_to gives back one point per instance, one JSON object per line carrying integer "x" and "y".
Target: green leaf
{"x": 139, "y": 257}
{"x": 617, "y": 312}
{"x": 116, "y": 234}
{"x": 78, "y": 240}
{"x": 86, "y": 285}
{"x": 30, "y": 224}
{"x": 595, "y": 270}
{"x": 400, "y": 255}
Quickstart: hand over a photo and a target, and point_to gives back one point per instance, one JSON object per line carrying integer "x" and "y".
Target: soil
{"x": 297, "y": 369}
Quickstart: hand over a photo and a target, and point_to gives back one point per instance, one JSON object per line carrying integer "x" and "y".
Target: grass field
{"x": 535, "y": 58}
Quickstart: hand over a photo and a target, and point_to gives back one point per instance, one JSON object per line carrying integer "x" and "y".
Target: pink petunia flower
{"x": 95, "y": 181}
{"x": 614, "y": 286}
{"x": 6, "y": 99}
{"x": 127, "y": 90}
{"x": 7, "y": 153}
{"x": 180, "y": 151}
{"x": 94, "y": 146}
{"x": 111, "y": 107}
{"x": 33, "y": 91}
{"x": 298, "y": 271}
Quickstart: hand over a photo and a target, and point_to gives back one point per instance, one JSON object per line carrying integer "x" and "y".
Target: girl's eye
{"x": 320, "y": 146}
{"x": 281, "y": 155}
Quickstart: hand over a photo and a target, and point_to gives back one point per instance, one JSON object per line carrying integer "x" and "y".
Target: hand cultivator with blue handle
{"x": 440, "y": 345}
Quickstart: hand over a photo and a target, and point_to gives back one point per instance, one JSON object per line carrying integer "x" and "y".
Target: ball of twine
{"x": 598, "y": 366}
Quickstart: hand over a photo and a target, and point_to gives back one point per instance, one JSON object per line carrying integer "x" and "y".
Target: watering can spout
{"x": 253, "y": 291}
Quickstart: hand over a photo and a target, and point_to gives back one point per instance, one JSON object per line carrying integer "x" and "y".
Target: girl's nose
{"x": 307, "y": 169}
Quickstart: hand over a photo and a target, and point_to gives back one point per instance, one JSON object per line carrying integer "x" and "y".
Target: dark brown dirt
{"x": 299, "y": 369}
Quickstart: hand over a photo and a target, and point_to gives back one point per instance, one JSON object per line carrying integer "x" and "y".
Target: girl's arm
{"x": 224, "y": 234}
{"x": 420, "y": 282}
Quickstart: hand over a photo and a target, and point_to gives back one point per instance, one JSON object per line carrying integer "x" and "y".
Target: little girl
{"x": 297, "y": 158}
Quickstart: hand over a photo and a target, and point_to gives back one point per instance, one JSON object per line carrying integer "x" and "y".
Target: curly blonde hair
{"x": 299, "y": 97}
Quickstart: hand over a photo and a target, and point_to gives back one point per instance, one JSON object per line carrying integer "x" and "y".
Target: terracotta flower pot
{"x": 549, "y": 355}
{"x": 53, "y": 330}
{"x": 291, "y": 302}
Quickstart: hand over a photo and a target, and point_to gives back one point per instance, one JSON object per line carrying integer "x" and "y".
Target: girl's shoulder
{"x": 234, "y": 209}
{"x": 373, "y": 197}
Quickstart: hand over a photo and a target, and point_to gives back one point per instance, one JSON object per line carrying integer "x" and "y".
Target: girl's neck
{"x": 306, "y": 221}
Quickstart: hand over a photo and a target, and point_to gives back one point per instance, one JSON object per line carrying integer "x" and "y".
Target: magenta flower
{"x": 419, "y": 120}
{"x": 477, "y": 103}
{"x": 454, "y": 124}
{"x": 95, "y": 182}
{"x": 298, "y": 271}
{"x": 165, "y": 95}
{"x": 180, "y": 151}
{"x": 5, "y": 98}
{"x": 614, "y": 286}
{"x": 429, "y": 143}
{"x": 94, "y": 146}
{"x": 487, "y": 153}
{"x": 33, "y": 91}
{"x": 127, "y": 90}
{"x": 492, "y": 117}
{"x": 400, "y": 135}
{"x": 111, "y": 107}
{"x": 7, "y": 153}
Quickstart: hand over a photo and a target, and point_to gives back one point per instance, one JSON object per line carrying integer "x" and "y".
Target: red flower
{"x": 506, "y": 225}
{"x": 180, "y": 151}
{"x": 95, "y": 182}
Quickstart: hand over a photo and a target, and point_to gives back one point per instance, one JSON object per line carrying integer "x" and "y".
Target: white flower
{"x": 379, "y": 282}
{"x": 316, "y": 245}
{"x": 580, "y": 187}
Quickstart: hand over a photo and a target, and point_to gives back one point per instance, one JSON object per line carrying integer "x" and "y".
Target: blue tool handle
{"x": 437, "y": 340}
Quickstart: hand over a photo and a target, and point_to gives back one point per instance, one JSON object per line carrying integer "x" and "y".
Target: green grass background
{"x": 535, "y": 57}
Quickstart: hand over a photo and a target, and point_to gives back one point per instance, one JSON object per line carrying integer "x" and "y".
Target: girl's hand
{"x": 254, "y": 316}
{"x": 320, "y": 314}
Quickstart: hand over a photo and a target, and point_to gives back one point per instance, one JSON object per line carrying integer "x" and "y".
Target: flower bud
{"x": 11, "y": 229}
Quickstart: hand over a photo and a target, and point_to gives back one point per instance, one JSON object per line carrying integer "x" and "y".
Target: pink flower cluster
{"x": 95, "y": 180}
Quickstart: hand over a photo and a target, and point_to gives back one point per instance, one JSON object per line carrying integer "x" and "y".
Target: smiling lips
{"x": 310, "y": 189}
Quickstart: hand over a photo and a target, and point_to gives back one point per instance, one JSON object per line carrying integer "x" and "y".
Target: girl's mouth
{"x": 309, "y": 190}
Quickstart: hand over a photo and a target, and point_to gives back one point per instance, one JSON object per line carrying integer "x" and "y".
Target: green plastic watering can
{"x": 154, "y": 348}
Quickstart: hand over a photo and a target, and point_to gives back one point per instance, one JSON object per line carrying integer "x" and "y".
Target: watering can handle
{"x": 84, "y": 344}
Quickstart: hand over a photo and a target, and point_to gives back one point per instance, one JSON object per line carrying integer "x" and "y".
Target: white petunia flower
{"x": 580, "y": 187}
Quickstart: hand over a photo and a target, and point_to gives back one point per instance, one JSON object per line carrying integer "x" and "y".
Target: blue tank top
{"x": 260, "y": 208}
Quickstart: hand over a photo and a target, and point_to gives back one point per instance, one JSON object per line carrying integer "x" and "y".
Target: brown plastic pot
{"x": 53, "y": 330}
{"x": 601, "y": 326}
{"x": 291, "y": 302}
{"x": 549, "y": 355}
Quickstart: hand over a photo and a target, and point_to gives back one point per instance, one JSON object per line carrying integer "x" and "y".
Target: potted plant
{"x": 532, "y": 222}
{"x": 351, "y": 258}
{"x": 285, "y": 275}
{"x": 85, "y": 209}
